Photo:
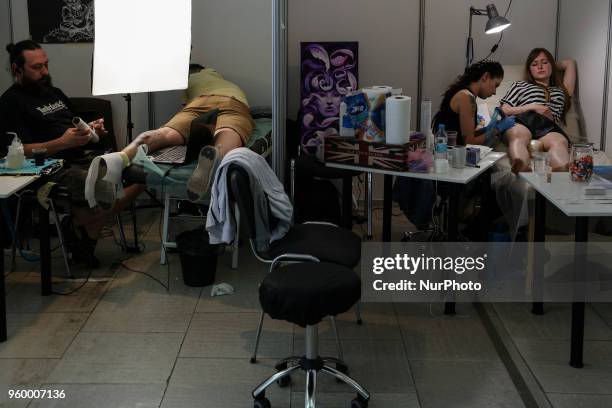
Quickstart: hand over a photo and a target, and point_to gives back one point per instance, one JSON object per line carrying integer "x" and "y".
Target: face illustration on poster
{"x": 328, "y": 70}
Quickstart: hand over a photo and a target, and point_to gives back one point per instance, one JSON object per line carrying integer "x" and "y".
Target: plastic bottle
{"x": 347, "y": 123}
{"x": 441, "y": 143}
{"x": 15, "y": 157}
{"x": 426, "y": 124}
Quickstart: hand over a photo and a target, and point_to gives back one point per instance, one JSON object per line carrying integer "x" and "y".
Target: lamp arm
{"x": 469, "y": 53}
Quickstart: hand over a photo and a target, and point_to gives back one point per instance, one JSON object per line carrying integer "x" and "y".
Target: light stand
{"x": 124, "y": 40}
{"x": 135, "y": 249}
{"x": 495, "y": 24}
{"x": 130, "y": 124}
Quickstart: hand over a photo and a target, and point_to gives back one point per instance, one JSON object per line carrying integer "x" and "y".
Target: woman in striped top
{"x": 540, "y": 103}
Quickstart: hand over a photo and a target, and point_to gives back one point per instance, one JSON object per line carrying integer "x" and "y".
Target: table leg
{"x": 369, "y": 198}
{"x": 388, "y": 197}
{"x": 45, "y": 251}
{"x": 578, "y": 306}
{"x": 539, "y": 236}
{"x": 453, "y": 236}
{"x": 2, "y": 285}
{"x": 347, "y": 202}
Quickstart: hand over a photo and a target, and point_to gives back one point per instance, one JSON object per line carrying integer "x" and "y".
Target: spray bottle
{"x": 15, "y": 157}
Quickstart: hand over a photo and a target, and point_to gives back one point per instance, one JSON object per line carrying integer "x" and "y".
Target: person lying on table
{"x": 229, "y": 122}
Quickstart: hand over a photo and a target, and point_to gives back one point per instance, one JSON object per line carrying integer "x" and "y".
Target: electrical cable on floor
{"x": 122, "y": 263}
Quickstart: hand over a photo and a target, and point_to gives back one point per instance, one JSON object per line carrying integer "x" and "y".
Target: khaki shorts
{"x": 233, "y": 114}
{"x": 73, "y": 179}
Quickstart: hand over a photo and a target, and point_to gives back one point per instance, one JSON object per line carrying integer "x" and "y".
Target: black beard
{"x": 41, "y": 86}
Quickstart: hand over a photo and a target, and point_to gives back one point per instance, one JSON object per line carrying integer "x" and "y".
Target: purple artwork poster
{"x": 328, "y": 69}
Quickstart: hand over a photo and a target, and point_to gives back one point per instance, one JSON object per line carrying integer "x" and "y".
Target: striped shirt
{"x": 523, "y": 93}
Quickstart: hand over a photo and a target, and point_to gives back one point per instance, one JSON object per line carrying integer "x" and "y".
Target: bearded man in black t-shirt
{"x": 41, "y": 115}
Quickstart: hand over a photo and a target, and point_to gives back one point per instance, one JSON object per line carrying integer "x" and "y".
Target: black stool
{"x": 305, "y": 293}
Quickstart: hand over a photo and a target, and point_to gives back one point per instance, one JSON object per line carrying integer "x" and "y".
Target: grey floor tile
{"x": 548, "y": 360}
{"x": 460, "y": 337}
{"x": 604, "y": 310}
{"x": 380, "y": 366}
{"x": 118, "y": 358}
{"x": 466, "y": 384}
{"x": 580, "y": 401}
{"x": 379, "y": 323}
{"x": 220, "y": 383}
{"x": 245, "y": 281}
{"x": 126, "y": 310}
{"x": 555, "y": 324}
{"x": 103, "y": 396}
{"x": 26, "y": 298}
{"x": 333, "y": 400}
{"x": 43, "y": 335}
{"x": 22, "y": 374}
{"x": 233, "y": 336}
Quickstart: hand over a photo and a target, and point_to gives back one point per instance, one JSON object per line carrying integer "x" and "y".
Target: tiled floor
{"x": 123, "y": 341}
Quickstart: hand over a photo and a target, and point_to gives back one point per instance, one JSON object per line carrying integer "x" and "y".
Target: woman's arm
{"x": 465, "y": 106}
{"x": 568, "y": 66}
{"x": 536, "y": 107}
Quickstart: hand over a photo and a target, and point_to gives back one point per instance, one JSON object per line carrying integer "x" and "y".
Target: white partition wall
{"x": 583, "y": 35}
{"x": 6, "y": 78}
{"x": 234, "y": 37}
{"x": 446, "y": 31}
{"x": 387, "y": 31}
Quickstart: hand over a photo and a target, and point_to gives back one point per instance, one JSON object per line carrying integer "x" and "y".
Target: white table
{"x": 454, "y": 177}
{"x": 9, "y": 185}
{"x": 568, "y": 196}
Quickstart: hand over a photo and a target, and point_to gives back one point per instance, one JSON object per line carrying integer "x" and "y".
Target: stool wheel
{"x": 262, "y": 402}
{"x": 359, "y": 402}
{"x": 253, "y": 360}
{"x": 284, "y": 381}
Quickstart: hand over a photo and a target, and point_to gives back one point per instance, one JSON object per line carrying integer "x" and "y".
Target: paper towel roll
{"x": 397, "y": 119}
{"x": 374, "y": 130}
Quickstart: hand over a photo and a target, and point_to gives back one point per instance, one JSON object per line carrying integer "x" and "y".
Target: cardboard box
{"x": 379, "y": 155}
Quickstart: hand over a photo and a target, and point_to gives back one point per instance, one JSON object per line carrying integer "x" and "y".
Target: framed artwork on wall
{"x": 328, "y": 70}
{"x": 61, "y": 21}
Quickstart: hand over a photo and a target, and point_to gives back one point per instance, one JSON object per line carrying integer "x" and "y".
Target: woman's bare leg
{"x": 557, "y": 147}
{"x": 518, "y": 147}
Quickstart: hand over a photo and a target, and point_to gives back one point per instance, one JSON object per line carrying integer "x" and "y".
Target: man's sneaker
{"x": 201, "y": 178}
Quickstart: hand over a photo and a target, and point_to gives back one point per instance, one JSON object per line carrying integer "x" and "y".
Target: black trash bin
{"x": 198, "y": 257}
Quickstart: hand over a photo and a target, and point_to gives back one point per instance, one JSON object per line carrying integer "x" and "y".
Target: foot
{"x": 79, "y": 244}
{"x": 564, "y": 168}
{"x": 519, "y": 165}
{"x": 202, "y": 177}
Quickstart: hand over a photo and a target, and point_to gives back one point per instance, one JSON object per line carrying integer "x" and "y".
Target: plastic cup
{"x": 458, "y": 154}
{"x": 39, "y": 156}
{"x": 540, "y": 163}
{"x": 452, "y": 138}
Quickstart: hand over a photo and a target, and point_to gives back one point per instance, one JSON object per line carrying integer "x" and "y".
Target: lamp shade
{"x": 496, "y": 23}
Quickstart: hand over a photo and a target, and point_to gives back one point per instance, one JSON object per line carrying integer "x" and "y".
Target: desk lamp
{"x": 496, "y": 24}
